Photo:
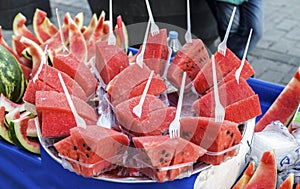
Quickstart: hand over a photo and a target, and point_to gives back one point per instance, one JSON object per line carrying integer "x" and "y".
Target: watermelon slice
{"x": 3, "y": 127}
{"x": 79, "y": 20}
{"x": 57, "y": 101}
{"x": 240, "y": 112}
{"x": 31, "y": 128}
{"x": 124, "y": 113}
{"x": 156, "y": 152}
{"x": 225, "y": 68}
{"x": 210, "y": 135}
{"x": 288, "y": 182}
{"x": 229, "y": 93}
{"x": 97, "y": 35}
{"x": 284, "y": 107}
{"x": 110, "y": 60}
{"x": 90, "y": 28}
{"x": 190, "y": 59}
{"x": 77, "y": 43}
{"x": 266, "y": 173}
{"x": 247, "y": 174}
{"x": 87, "y": 154}
{"x": 186, "y": 152}
{"x": 17, "y": 130}
{"x": 156, "y": 51}
{"x": 20, "y": 29}
{"x": 18, "y": 48}
{"x": 77, "y": 70}
{"x": 157, "y": 86}
{"x": 39, "y": 27}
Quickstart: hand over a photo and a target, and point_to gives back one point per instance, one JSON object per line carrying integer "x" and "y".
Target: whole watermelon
{"x": 12, "y": 80}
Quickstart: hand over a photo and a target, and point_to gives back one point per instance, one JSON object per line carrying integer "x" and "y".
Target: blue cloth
{"x": 248, "y": 15}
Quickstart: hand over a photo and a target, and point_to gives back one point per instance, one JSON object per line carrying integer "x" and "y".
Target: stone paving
{"x": 275, "y": 58}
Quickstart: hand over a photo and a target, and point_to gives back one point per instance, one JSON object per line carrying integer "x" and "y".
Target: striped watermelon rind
{"x": 12, "y": 79}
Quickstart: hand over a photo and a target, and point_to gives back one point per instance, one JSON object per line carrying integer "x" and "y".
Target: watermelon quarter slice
{"x": 94, "y": 150}
{"x": 211, "y": 135}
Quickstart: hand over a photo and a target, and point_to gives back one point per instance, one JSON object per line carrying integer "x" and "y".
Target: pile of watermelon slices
{"x": 135, "y": 143}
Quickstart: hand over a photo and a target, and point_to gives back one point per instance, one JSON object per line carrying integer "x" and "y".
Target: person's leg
{"x": 248, "y": 15}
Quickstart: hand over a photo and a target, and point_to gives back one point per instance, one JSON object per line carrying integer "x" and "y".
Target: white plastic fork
{"x": 219, "y": 109}
{"x": 137, "y": 110}
{"x": 188, "y": 34}
{"x": 140, "y": 56}
{"x": 154, "y": 27}
{"x": 111, "y": 37}
{"x": 239, "y": 70}
{"x": 80, "y": 122}
{"x": 223, "y": 45}
{"x": 174, "y": 127}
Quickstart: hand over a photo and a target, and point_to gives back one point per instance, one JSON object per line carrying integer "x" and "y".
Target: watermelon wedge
{"x": 156, "y": 152}
{"x": 88, "y": 156}
{"x": 90, "y": 28}
{"x": 77, "y": 43}
{"x": 265, "y": 175}
{"x": 156, "y": 51}
{"x": 225, "y": 68}
{"x": 288, "y": 183}
{"x": 110, "y": 60}
{"x": 247, "y": 174}
{"x": 229, "y": 93}
{"x": 38, "y": 24}
{"x": 190, "y": 59}
{"x": 284, "y": 107}
{"x": 77, "y": 70}
{"x": 211, "y": 135}
{"x": 240, "y": 112}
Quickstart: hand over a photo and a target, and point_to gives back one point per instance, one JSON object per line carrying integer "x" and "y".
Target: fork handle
{"x": 149, "y": 11}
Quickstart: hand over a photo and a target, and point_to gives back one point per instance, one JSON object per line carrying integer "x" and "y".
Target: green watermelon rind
{"x": 17, "y": 137}
{"x": 12, "y": 79}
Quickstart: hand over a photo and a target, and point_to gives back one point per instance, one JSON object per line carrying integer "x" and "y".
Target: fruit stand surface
{"x": 20, "y": 169}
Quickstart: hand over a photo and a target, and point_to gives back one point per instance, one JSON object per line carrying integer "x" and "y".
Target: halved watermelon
{"x": 211, "y": 135}
{"x": 265, "y": 175}
{"x": 190, "y": 59}
{"x": 88, "y": 155}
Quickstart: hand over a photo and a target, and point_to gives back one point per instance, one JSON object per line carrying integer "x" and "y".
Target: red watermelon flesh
{"x": 156, "y": 152}
{"x": 243, "y": 110}
{"x": 120, "y": 86}
{"x": 97, "y": 148}
{"x": 156, "y": 123}
{"x": 50, "y": 76}
{"x": 97, "y": 35}
{"x": 225, "y": 68}
{"x": 31, "y": 128}
{"x": 284, "y": 107}
{"x": 29, "y": 95}
{"x": 186, "y": 152}
{"x": 211, "y": 135}
{"x": 57, "y": 101}
{"x": 190, "y": 59}
{"x": 265, "y": 175}
{"x": 124, "y": 113}
{"x": 77, "y": 43}
{"x": 67, "y": 148}
{"x": 157, "y": 86}
{"x": 229, "y": 93}
{"x": 110, "y": 60}
{"x": 156, "y": 51}
{"x": 90, "y": 28}
{"x": 77, "y": 70}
